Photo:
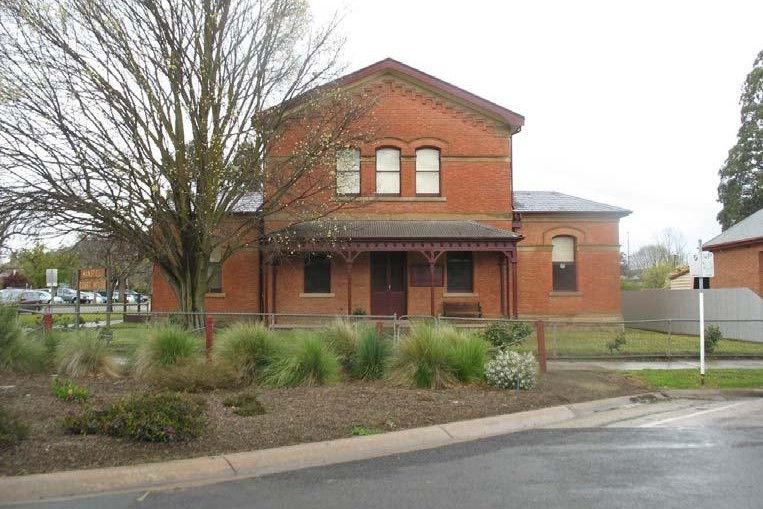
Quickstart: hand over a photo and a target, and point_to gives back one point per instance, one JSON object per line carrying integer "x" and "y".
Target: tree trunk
{"x": 189, "y": 289}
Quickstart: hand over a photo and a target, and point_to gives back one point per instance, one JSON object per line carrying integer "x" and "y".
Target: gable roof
{"x": 392, "y": 66}
{"x": 748, "y": 229}
{"x": 553, "y": 201}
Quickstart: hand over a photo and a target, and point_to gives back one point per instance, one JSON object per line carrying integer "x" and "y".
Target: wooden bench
{"x": 462, "y": 309}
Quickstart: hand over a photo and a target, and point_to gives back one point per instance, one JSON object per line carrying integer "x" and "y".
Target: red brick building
{"x": 436, "y": 226}
{"x": 738, "y": 255}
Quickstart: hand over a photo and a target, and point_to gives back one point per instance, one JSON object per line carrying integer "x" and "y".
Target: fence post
{"x": 379, "y": 329}
{"x": 47, "y": 323}
{"x": 540, "y": 332}
{"x": 209, "y": 333}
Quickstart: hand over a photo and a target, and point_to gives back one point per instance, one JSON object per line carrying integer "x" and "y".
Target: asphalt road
{"x": 683, "y": 454}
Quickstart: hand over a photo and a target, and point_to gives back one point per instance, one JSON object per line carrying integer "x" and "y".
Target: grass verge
{"x": 690, "y": 379}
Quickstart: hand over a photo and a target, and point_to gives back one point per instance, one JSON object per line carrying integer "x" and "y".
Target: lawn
{"x": 690, "y": 379}
{"x": 587, "y": 340}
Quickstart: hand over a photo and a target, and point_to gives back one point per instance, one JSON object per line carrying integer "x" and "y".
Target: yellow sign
{"x": 92, "y": 279}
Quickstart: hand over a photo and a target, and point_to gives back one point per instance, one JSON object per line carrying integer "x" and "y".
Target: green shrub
{"x": 342, "y": 337}
{"x": 371, "y": 356}
{"x": 712, "y": 336}
{"x": 422, "y": 358}
{"x": 359, "y": 312}
{"x": 511, "y": 369}
{"x": 305, "y": 360}
{"x": 194, "y": 376}
{"x": 83, "y": 354}
{"x": 247, "y": 347}
{"x": 245, "y": 405}
{"x": 150, "y": 417}
{"x": 467, "y": 358}
{"x": 69, "y": 391}
{"x": 17, "y": 351}
{"x": 506, "y": 334}
{"x": 12, "y": 429}
{"x": 166, "y": 345}
{"x": 618, "y": 343}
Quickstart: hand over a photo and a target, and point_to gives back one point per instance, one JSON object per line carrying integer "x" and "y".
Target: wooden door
{"x": 388, "y": 278}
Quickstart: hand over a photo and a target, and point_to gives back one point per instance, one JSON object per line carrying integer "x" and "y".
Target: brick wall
{"x": 739, "y": 267}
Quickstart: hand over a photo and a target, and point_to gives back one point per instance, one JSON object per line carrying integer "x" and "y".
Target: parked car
{"x": 68, "y": 295}
{"x": 51, "y": 298}
{"x": 137, "y": 297}
{"x": 34, "y": 299}
{"x": 10, "y": 294}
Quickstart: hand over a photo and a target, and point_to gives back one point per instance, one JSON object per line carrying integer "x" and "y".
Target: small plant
{"x": 510, "y": 370}
{"x": 165, "y": 346}
{"x": 245, "y": 405}
{"x": 422, "y": 358}
{"x": 194, "y": 376}
{"x": 305, "y": 360}
{"x": 248, "y": 348}
{"x": 371, "y": 356}
{"x": 617, "y": 344}
{"x": 69, "y": 391}
{"x": 342, "y": 337}
{"x": 153, "y": 417}
{"x": 359, "y": 312}
{"x": 712, "y": 336}
{"x": 84, "y": 354}
{"x": 467, "y": 357}
{"x": 505, "y": 334}
{"x": 362, "y": 431}
{"x": 17, "y": 352}
{"x": 12, "y": 429}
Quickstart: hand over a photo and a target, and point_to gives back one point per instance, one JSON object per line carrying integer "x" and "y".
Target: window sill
{"x": 565, "y": 294}
{"x": 419, "y": 199}
{"x": 215, "y": 295}
{"x": 316, "y": 295}
{"x": 460, "y": 294}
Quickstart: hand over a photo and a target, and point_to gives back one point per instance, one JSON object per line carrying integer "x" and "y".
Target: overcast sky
{"x": 634, "y": 104}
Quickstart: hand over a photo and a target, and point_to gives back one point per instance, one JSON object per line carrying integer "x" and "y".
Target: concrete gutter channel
{"x": 213, "y": 469}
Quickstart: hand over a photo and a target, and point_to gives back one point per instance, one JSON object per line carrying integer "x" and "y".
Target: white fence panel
{"x": 737, "y": 311}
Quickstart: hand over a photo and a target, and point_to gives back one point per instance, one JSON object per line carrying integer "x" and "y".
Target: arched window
{"x": 348, "y": 171}
{"x": 564, "y": 266}
{"x": 388, "y": 171}
{"x": 428, "y": 171}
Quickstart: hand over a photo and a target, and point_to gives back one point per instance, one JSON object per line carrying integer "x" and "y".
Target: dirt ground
{"x": 304, "y": 414}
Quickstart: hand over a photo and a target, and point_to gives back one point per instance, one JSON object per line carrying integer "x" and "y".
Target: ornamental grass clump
{"x": 248, "y": 348}
{"x": 422, "y": 358}
{"x": 12, "y": 429}
{"x": 18, "y": 352}
{"x": 371, "y": 356}
{"x": 467, "y": 357}
{"x": 342, "y": 337}
{"x": 306, "y": 359}
{"x": 166, "y": 345}
{"x": 510, "y": 370}
{"x": 84, "y": 353}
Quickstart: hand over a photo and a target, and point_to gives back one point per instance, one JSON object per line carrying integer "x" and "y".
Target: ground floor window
{"x": 317, "y": 273}
{"x": 564, "y": 271}
{"x": 460, "y": 272}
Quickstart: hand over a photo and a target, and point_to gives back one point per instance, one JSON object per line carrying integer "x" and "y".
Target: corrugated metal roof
{"x": 400, "y": 230}
{"x": 553, "y": 201}
{"x": 748, "y": 228}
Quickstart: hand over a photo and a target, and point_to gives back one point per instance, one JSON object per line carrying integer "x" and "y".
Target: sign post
{"x": 701, "y": 265}
{"x": 51, "y": 281}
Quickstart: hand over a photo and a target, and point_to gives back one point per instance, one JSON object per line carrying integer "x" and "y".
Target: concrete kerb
{"x": 213, "y": 469}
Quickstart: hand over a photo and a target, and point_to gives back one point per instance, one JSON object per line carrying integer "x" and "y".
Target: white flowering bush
{"x": 510, "y": 369}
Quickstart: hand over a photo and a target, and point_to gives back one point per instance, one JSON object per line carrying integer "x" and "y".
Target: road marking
{"x": 680, "y": 417}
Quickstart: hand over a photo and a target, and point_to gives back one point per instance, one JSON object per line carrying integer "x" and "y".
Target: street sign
{"x": 708, "y": 266}
{"x": 92, "y": 279}
{"x": 51, "y": 278}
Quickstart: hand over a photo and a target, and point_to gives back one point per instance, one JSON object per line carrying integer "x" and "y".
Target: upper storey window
{"x": 348, "y": 171}
{"x": 428, "y": 171}
{"x": 388, "y": 171}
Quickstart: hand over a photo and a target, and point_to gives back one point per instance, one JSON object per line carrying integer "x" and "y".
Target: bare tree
{"x": 150, "y": 121}
{"x": 669, "y": 249}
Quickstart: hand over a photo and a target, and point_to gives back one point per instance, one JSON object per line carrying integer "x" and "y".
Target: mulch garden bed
{"x": 293, "y": 416}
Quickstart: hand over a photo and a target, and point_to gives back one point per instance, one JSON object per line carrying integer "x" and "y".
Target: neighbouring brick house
{"x": 439, "y": 227}
{"x": 738, "y": 255}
